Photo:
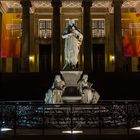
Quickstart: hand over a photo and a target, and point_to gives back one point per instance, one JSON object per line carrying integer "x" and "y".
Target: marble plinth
{"x": 71, "y": 94}
{"x": 72, "y": 99}
{"x": 71, "y": 77}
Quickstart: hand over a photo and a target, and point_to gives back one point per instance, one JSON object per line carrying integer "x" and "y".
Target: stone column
{"x": 118, "y": 42}
{"x": 56, "y": 4}
{"x": 86, "y": 4}
{"x": 1, "y": 66}
{"x": 138, "y": 66}
{"x": 25, "y": 43}
{"x": 0, "y": 27}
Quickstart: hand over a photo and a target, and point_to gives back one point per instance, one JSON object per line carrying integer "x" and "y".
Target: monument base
{"x": 71, "y": 94}
{"x": 72, "y": 99}
{"x": 71, "y": 77}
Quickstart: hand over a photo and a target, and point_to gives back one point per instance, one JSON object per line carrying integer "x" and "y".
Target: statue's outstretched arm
{"x": 66, "y": 35}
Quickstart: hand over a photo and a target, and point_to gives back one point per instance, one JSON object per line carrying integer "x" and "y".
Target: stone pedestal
{"x": 71, "y": 77}
{"x": 71, "y": 94}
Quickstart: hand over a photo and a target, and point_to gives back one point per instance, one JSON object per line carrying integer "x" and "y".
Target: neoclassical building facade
{"x": 31, "y": 33}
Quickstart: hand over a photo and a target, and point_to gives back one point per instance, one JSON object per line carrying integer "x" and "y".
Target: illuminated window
{"x": 67, "y": 20}
{"x": 45, "y": 28}
{"x": 126, "y": 26}
{"x": 98, "y": 28}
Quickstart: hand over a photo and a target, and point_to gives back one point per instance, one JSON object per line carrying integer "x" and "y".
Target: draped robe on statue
{"x": 73, "y": 40}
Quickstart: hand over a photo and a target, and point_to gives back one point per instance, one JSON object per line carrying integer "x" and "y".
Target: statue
{"x": 73, "y": 40}
{"x": 54, "y": 94}
{"x": 89, "y": 95}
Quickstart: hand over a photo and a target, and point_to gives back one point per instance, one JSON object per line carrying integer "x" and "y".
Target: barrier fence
{"x": 34, "y": 117}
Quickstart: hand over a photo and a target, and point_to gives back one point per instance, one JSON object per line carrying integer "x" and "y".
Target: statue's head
{"x": 71, "y": 22}
{"x": 57, "y": 78}
{"x": 85, "y": 77}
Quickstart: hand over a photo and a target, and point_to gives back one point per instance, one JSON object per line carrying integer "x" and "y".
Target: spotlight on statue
{"x": 5, "y": 129}
{"x": 136, "y": 128}
{"x": 72, "y": 132}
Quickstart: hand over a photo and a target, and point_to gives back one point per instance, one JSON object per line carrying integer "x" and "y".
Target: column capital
{"x": 56, "y": 3}
{"x": 114, "y": 2}
{"x": 86, "y": 3}
{"x": 26, "y": 3}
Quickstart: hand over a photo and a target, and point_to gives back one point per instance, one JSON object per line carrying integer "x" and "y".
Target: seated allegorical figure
{"x": 89, "y": 95}
{"x": 54, "y": 94}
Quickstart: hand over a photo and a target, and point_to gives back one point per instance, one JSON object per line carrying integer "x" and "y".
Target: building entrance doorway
{"x": 45, "y": 58}
{"x": 98, "y": 57}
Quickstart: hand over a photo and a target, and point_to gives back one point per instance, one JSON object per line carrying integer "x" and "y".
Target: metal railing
{"x": 106, "y": 117}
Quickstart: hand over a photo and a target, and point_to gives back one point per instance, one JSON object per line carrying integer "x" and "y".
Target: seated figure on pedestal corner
{"x": 54, "y": 94}
{"x": 73, "y": 40}
{"x": 89, "y": 95}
